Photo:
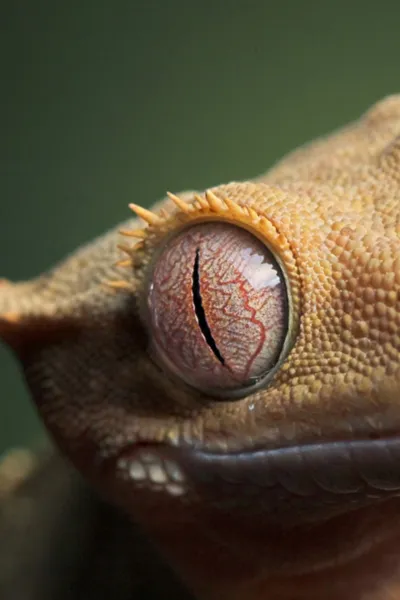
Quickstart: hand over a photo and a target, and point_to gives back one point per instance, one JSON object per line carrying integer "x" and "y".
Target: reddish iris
{"x": 218, "y": 307}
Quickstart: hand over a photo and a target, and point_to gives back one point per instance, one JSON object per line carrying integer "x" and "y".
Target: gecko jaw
{"x": 291, "y": 485}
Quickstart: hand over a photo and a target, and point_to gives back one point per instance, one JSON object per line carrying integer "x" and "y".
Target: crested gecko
{"x": 225, "y": 369}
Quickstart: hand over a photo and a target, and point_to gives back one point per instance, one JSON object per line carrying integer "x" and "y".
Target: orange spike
{"x": 126, "y": 262}
{"x": 234, "y": 208}
{"x": 118, "y": 285}
{"x": 129, "y": 232}
{"x": 202, "y": 201}
{"x": 126, "y": 249}
{"x": 136, "y": 233}
{"x": 215, "y": 203}
{"x": 253, "y": 214}
{"x": 181, "y": 204}
{"x": 137, "y": 246}
{"x": 148, "y": 216}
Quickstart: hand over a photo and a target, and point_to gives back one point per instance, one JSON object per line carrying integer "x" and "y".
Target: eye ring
{"x": 191, "y": 346}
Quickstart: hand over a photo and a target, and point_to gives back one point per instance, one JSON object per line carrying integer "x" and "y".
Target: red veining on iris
{"x": 218, "y": 306}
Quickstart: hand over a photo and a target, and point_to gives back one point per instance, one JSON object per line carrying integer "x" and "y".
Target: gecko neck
{"x": 352, "y": 557}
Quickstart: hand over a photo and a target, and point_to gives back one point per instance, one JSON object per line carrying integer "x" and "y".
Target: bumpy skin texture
{"x": 289, "y": 491}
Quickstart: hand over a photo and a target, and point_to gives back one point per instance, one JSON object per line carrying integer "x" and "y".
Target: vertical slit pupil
{"x": 199, "y": 310}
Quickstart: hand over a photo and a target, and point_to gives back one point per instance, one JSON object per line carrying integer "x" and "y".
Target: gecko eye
{"x": 218, "y": 308}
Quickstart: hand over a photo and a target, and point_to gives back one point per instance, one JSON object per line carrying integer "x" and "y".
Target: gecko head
{"x": 221, "y": 373}
{"x": 239, "y": 379}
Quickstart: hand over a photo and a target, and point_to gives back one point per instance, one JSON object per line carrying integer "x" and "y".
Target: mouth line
{"x": 367, "y": 468}
{"x": 340, "y": 467}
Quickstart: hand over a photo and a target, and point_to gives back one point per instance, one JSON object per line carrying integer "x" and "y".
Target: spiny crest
{"x": 201, "y": 207}
{"x": 209, "y": 205}
{"x": 165, "y": 221}
{"x": 180, "y": 213}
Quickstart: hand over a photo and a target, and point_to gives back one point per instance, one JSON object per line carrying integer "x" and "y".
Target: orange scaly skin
{"x": 290, "y": 491}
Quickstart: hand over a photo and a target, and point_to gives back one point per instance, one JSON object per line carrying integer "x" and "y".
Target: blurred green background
{"x": 103, "y": 103}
